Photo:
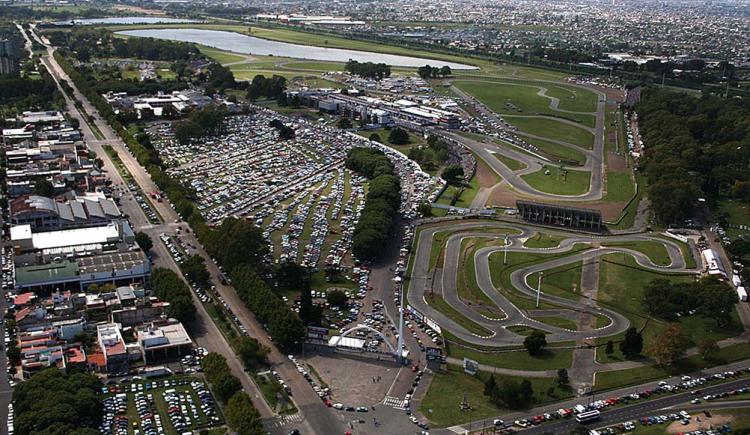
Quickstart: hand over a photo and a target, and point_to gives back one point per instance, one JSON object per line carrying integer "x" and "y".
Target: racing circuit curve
{"x": 444, "y": 281}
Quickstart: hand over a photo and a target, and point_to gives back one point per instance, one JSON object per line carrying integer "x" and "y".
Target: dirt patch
{"x": 351, "y": 379}
{"x": 485, "y": 175}
{"x": 612, "y": 94}
{"x": 616, "y": 162}
{"x": 716, "y": 420}
{"x": 138, "y": 10}
{"x": 502, "y": 197}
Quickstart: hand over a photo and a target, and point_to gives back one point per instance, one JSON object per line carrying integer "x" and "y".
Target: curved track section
{"x": 443, "y": 281}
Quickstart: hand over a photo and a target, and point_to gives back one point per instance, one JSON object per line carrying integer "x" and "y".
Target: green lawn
{"x": 464, "y": 195}
{"x": 519, "y": 359}
{"x": 557, "y": 152}
{"x": 560, "y": 322}
{"x": 552, "y": 129}
{"x": 415, "y": 140}
{"x": 620, "y": 187}
{"x": 441, "y": 404}
{"x": 501, "y": 274}
{"x": 518, "y": 99}
{"x": 512, "y": 164}
{"x": 736, "y": 213}
{"x": 639, "y": 375}
{"x": 438, "y": 303}
{"x": 543, "y": 240}
{"x": 574, "y": 98}
{"x": 653, "y": 250}
{"x": 621, "y": 283}
{"x": 315, "y": 66}
{"x": 563, "y": 281}
{"x": 567, "y": 182}
{"x": 220, "y": 56}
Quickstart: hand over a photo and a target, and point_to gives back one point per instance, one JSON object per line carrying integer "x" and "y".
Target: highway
{"x": 316, "y": 417}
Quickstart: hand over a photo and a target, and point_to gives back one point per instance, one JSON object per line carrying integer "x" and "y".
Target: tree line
{"x": 241, "y": 414}
{"x": 368, "y": 70}
{"x": 169, "y": 287}
{"x": 708, "y": 297}
{"x": 695, "y": 146}
{"x": 381, "y": 203}
{"x": 429, "y": 72}
{"x": 262, "y": 87}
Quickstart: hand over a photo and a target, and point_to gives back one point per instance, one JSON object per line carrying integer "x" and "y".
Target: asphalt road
{"x": 594, "y": 157}
{"x": 421, "y": 281}
{"x": 316, "y": 417}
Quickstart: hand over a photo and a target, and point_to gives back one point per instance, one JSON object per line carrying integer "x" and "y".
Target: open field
{"x": 557, "y": 152}
{"x": 567, "y": 183}
{"x": 554, "y": 130}
{"x": 441, "y": 403}
{"x": 512, "y": 164}
{"x": 521, "y": 98}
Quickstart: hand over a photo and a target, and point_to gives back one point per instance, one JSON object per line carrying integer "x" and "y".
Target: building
{"x": 712, "y": 264}
{"x": 72, "y": 259}
{"x": 164, "y": 340}
{"x": 42, "y": 213}
{"x": 112, "y": 347}
{"x": 554, "y": 215}
{"x": 10, "y": 54}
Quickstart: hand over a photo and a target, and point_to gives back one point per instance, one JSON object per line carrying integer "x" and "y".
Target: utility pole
{"x": 539, "y": 288}
{"x": 505, "y": 256}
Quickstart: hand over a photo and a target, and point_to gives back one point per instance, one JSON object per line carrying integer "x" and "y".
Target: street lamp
{"x": 539, "y": 288}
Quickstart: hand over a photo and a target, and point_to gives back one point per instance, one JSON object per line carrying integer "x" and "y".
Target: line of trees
{"x": 368, "y": 70}
{"x": 381, "y": 204}
{"x": 429, "y": 72}
{"x": 241, "y": 415}
{"x": 509, "y": 393}
{"x": 695, "y": 147}
{"x": 708, "y": 297}
{"x": 55, "y": 402}
{"x": 169, "y": 287}
{"x": 262, "y": 87}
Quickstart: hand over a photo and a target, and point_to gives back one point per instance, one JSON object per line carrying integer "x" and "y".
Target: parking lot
{"x": 172, "y": 405}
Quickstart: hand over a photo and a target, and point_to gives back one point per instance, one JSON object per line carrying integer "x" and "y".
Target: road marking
{"x": 394, "y": 402}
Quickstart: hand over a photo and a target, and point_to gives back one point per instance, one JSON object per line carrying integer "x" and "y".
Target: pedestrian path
{"x": 284, "y": 420}
{"x": 394, "y": 402}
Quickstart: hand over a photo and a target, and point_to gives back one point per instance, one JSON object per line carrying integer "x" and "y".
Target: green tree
{"x": 337, "y": 298}
{"x": 535, "y": 342}
{"x": 609, "y": 348}
{"x": 490, "y": 386}
{"x": 225, "y": 385}
{"x": 43, "y": 187}
{"x": 632, "y": 344}
{"x": 250, "y": 351}
{"x": 425, "y": 209}
{"x": 563, "y": 380}
{"x": 445, "y": 71}
{"x": 144, "y": 241}
{"x": 242, "y": 416}
{"x": 454, "y": 175}
{"x": 375, "y": 138}
{"x": 344, "y": 123}
{"x": 708, "y": 349}
{"x": 398, "y": 136}
{"x": 668, "y": 346}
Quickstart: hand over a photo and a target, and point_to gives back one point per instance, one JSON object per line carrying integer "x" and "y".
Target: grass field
{"x": 552, "y": 129}
{"x": 573, "y": 98}
{"x": 441, "y": 404}
{"x": 543, "y": 240}
{"x": 621, "y": 283}
{"x": 620, "y": 187}
{"x": 639, "y": 375}
{"x": 653, "y": 250}
{"x": 522, "y": 98}
{"x": 220, "y": 56}
{"x": 512, "y": 164}
{"x": 560, "y": 322}
{"x": 557, "y": 152}
{"x": 415, "y": 140}
{"x": 563, "y": 281}
{"x": 569, "y": 183}
{"x": 519, "y": 359}
{"x": 438, "y": 303}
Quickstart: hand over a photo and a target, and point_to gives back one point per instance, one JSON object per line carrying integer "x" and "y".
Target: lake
{"x": 238, "y": 43}
{"x": 124, "y": 20}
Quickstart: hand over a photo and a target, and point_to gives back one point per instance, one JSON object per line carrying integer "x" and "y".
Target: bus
{"x": 587, "y": 416}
